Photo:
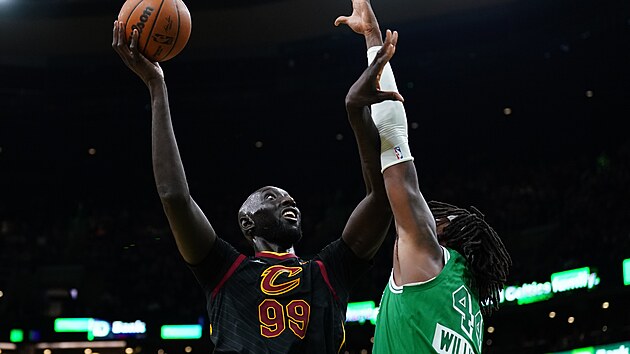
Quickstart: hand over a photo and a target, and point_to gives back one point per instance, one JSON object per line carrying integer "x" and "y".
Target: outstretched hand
{"x": 130, "y": 55}
{"x": 362, "y": 20}
{"x": 366, "y": 90}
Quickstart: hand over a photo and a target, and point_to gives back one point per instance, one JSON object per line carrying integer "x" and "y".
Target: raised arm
{"x": 193, "y": 233}
{"x": 417, "y": 254}
{"x": 369, "y": 222}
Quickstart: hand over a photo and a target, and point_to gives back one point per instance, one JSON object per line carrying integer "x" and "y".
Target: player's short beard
{"x": 281, "y": 235}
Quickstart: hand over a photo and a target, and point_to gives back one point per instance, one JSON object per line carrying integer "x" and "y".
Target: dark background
{"x": 552, "y": 177}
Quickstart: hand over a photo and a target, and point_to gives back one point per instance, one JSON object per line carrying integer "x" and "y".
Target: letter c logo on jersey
{"x": 270, "y": 284}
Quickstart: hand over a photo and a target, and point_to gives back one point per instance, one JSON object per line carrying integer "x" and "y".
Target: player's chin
{"x": 291, "y": 235}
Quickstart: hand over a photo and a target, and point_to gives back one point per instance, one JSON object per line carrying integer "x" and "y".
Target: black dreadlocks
{"x": 488, "y": 260}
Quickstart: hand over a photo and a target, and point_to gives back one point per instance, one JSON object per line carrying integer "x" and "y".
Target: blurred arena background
{"x": 517, "y": 107}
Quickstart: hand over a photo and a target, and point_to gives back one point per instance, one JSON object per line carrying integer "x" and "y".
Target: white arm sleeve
{"x": 390, "y": 120}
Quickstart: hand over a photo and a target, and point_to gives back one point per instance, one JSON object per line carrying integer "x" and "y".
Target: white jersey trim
{"x": 397, "y": 289}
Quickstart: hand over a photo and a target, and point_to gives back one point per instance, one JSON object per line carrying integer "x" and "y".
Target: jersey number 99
{"x": 274, "y": 318}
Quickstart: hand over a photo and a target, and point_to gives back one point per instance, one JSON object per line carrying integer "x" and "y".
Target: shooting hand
{"x": 145, "y": 69}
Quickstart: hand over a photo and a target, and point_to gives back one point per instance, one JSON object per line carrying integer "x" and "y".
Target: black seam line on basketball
{"x": 179, "y": 22}
{"x": 157, "y": 14}
{"x": 128, "y": 17}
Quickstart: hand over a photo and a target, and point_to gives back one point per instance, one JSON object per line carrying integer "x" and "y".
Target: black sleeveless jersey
{"x": 276, "y": 302}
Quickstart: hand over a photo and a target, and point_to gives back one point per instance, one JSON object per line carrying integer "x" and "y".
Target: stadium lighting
{"x": 78, "y": 345}
{"x": 72, "y": 324}
{"x": 16, "y": 336}
{"x": 626, "y": 271}
{"x": 181, "y": 332}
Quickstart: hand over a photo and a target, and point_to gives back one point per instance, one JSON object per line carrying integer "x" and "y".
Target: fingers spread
{"x": 391, "y": 38}
{"x": 389, "y": 46}
{"x": 118, "y": 41}
{"x": 114, "y": 34}
{"x": 394, "y": 40}
{"x": 121, "y": 34}
{"x": 134, "y": 41}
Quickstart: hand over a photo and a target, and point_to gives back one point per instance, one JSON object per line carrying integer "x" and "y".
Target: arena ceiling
{"x": 71, "y": 27}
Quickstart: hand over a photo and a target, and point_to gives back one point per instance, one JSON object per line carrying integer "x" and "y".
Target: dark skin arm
{"x": 417, "y": 254}
{"x": 368, "y": 225}
{"x": 193, "y": 233}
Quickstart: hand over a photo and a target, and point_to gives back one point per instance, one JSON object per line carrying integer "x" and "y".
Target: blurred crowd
{"x": 102, "y": 260}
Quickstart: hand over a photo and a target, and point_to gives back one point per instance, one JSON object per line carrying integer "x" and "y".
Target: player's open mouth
{"x": 290, "y": 214}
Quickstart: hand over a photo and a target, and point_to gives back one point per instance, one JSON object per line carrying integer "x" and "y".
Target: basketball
{"x": 163, "y": 26}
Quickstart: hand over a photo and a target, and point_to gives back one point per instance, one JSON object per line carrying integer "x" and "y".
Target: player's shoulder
{"x": 332, "y": 249}
{"x": 336, "y": 245}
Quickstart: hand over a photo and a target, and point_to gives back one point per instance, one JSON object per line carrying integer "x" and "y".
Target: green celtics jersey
{"x": 441, "y": 315}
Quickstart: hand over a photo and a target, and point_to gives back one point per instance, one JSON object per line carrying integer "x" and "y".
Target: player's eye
{"x": 270, "y": 197}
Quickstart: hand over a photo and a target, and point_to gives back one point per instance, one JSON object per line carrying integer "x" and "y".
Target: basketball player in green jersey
{"x": 449, "y": 264}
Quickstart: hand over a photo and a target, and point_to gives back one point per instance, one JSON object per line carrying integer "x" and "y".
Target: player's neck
{"x": 262, "y": 245}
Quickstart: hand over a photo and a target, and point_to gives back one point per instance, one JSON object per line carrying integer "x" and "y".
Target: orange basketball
{"x": 163, "y": 26}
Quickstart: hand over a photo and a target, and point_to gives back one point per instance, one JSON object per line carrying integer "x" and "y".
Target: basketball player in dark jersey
{"x": 273, "y": 302}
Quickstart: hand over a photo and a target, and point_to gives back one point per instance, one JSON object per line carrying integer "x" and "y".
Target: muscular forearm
{"x": 193, "y": 233}
{"x": 390, "y": 119}
{"x": 411, "y": 212}
{"x": 368, "y": 143}
{"x": 368, "y": 225}
{"x": 168, "y": 170}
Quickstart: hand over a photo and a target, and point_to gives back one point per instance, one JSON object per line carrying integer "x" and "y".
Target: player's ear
{"x": 247, "y": 224}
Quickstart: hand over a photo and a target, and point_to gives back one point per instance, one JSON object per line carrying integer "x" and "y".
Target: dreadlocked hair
{"x": 487, "y": 257}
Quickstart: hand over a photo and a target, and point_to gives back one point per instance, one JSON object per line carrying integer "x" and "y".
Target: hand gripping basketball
{"x": 163, "y": 26}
